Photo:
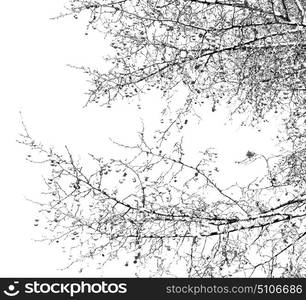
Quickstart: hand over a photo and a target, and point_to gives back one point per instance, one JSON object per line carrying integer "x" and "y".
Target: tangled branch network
{"x": 155, "y": 204}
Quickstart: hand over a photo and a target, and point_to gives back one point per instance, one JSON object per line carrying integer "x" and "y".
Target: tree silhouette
{"x": 248, "y": 56}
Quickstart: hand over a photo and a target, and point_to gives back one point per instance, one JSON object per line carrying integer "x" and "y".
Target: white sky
{"x": 35, "y": 80}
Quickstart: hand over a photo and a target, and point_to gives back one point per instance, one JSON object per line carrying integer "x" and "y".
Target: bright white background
{"x": 35, "y": 79}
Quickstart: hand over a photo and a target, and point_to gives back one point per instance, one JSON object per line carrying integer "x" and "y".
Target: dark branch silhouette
{"x": 248, "y": 56}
